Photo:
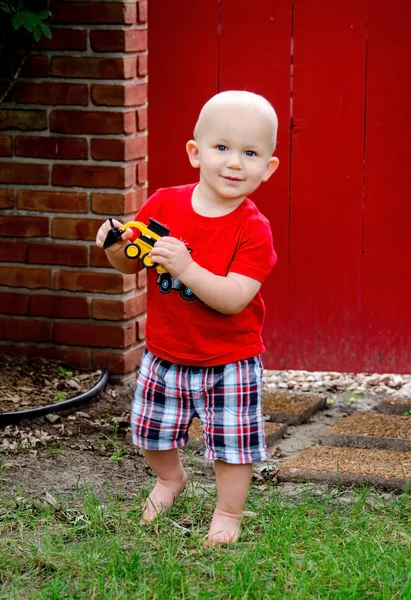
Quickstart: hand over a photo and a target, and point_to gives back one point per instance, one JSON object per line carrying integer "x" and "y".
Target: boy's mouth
{"x": 232, "y": 179}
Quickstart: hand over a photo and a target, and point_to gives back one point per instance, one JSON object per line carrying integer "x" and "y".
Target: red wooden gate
{"x": 338, "y": 75}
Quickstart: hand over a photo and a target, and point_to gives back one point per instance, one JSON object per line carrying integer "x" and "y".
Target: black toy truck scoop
{"x": 113, "y": 235}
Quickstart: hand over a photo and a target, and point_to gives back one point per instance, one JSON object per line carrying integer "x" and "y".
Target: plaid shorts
{"x": 226, "y": 398}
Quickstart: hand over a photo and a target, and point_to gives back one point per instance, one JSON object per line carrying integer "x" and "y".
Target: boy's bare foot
{"x": 224, "y": 528}
{"x": 162, "y": 497}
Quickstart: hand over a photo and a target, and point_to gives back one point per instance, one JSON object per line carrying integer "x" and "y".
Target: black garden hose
{"x": 6, "y": 418}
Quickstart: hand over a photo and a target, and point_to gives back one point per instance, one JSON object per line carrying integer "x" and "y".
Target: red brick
{"x": 26, "y": 277}
{"x": 13, "y": 304}
{"x": 98, "y": 258}
{"x": 99, "y": 336}
{"x": 142, "y": 120}
{"x": 142, "y": 279}
{"x": 41, "y": 305}
{"x": 100, "y": 122}
{"x": 51, "y": 201}
{"x": 141, "y": 174}
{"x": 51, "y": 93}
{"x": 27, "y": 330}
{"x": 6, "y": 145}
{"x": 118, "y": 363}
{"x": 90, "y": 176}
{"x": 64, "y": 39}
{"x": 93, "y": 12}
{"x": 6, "y": 198}
{"x": 118, "y": 204}
{"x": 108, "y": 95}
{"x": 35, "y": 66}
{"x": 12, "y": 251}
{"x": 133, "y": 94}
{"x": 75, "y": 229}
{"x": 116, "y": 40}
{"x": 51, "y": 147}
{"x": 23, "y": 226}
{"x": 142, "y": 11}
{"x": 114, "y": 149}
{"x": 26, "y": 173}
{"x": 94, "y": 68}
{"x": 118, "y": 310}
{"x": 142, "y": 66}
{"x": 87, "y": 281}
{"x": 57, "y": 254}
{"x": 24, "y": 120}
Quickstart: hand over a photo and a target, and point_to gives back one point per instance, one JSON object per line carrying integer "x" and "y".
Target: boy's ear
{"x": 193, "y": 154}
{"x": 271, "y": 167}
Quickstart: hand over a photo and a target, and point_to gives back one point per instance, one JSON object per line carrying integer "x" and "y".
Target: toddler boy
{"x": 205, "y": 316}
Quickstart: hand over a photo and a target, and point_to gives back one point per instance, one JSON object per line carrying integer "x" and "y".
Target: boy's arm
{"x": 228, "y": 295}
{"x": 115, "y": 253}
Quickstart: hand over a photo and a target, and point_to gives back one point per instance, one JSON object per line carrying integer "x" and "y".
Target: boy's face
{"x": 233, "y": 150}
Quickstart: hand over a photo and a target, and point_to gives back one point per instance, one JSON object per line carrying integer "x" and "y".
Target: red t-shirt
{"x": 182, "y": 329}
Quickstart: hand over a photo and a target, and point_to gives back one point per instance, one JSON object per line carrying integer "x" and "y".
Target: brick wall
{"x": 73, "y": 147}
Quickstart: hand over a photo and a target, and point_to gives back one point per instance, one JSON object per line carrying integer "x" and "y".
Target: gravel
{"x": 388, "y": 384}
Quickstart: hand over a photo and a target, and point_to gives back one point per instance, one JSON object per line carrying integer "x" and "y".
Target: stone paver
{"x": 395, "y": 406}
{"x": 354, "y": 466}
{"x": 294, "y": 409}
{"x": 371, "y": 430}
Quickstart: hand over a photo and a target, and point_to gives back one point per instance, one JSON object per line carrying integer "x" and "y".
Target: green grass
{"x": 338, "y": 545}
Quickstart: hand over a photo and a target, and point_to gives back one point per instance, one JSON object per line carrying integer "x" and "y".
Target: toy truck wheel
{"x": 147, "y": 262}
{"x": 187, "y": 294}
{"x": 166, "y": 283}
{"x": 132, "y": 251}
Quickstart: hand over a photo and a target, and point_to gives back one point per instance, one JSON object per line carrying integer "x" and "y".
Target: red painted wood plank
{"x": 255, "y": 55}
{"x": 183, "y": 74}
{"x": 387, "y": 238}
{"x": 326, "y": 190}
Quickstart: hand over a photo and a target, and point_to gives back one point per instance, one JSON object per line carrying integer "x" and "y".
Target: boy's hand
{"x": 104, "y": 230}
{"x": 172, "y": 254}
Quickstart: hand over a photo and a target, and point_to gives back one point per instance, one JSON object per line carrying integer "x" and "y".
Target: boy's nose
{"x": 234, "y": 160}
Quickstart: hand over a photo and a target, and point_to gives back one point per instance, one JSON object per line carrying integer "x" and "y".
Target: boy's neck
{"x": 207, "y": 205}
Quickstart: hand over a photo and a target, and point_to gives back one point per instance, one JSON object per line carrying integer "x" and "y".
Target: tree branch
{"x": 15, "y": 77}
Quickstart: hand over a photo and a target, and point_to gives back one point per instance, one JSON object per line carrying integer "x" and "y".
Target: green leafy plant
{"x": 21, "y": 16}
{"x": 60, "y": 396}
{"x": 65, "y": 371}
{"x": 117, "y": 454}
{"x": 22, "y": 23}
{"x": 114, "y": 445}
{"x": 352, "y": 398}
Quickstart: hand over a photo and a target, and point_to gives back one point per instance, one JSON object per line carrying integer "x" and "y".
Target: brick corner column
{"x": 73, "y": 145}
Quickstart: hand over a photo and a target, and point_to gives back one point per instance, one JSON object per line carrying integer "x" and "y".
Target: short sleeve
{"x": 255, "y": 256}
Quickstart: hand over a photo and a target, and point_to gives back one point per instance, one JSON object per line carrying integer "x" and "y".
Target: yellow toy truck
{"x": 145, "y": 236}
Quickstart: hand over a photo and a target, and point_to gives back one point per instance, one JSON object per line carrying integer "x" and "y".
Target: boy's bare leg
{"x": 233, "y": 482}
{"x": 171, "y": 480}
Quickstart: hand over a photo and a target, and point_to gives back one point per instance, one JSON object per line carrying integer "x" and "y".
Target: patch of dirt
{"x": 32, "y": 382}
{"x": 63, "y": 452}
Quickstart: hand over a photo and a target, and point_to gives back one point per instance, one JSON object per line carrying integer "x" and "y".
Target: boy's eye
{"x": 221, "y": 148}
{"x": 250, "y": 153}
